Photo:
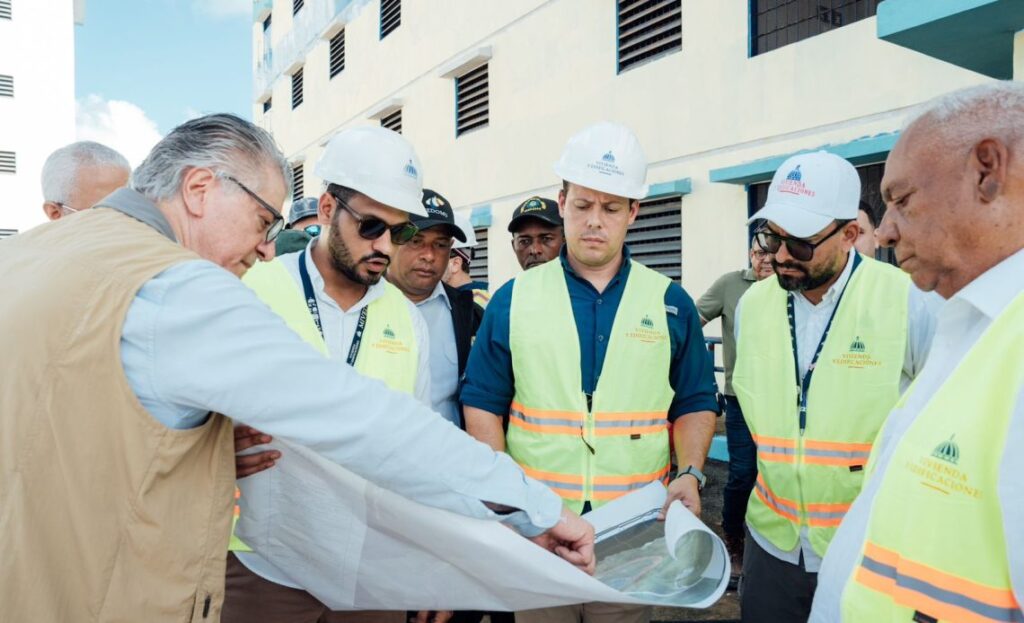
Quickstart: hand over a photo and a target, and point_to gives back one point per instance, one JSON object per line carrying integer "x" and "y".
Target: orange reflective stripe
{"x": 633, "y": 430}
{"x": 774, "y": 441}
{"x": 786, "y": 508}
{"x": 836, "y": 453}
{"x": 936, "y": 593}
{"x": 538, "y": 428}
{"x": 633, "y": 479}
{"x": 543, "y": 414}
{"x": 835, "y": 445}
{"x": 238, "y": 495}
{"x": 538, "y": 474}
{"x": 775, "y": 449}
{"x": 610, "y": 424}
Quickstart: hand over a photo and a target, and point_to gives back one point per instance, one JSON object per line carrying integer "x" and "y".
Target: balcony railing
{"x": 316, "y": 17}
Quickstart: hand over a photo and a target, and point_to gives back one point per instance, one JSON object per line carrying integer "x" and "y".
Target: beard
{"x": 807, "y": 279}
{"x": 342, "y": 261}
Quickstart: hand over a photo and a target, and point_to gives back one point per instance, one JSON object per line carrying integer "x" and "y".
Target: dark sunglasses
{"x": 277, "y": 224}
{"x": 371, "y": 227}
{"x": 312, "y": 230}
{"x": 800, "y": 249}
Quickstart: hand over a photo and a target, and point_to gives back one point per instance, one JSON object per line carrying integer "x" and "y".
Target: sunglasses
{"x": 277, "y": 224}
{"x": 371, "y": 227}
{"x": 800, "y": 249}
{"x": 312, "y": 230}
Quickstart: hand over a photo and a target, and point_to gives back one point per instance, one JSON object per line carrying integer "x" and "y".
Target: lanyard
{"x": 314, "y": 311}
{"x": 805, "y": 384}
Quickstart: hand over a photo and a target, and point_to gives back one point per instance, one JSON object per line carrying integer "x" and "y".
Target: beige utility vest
{"x": 105, "y": 513}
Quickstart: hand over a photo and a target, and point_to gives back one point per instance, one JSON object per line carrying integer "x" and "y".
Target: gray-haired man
{"x": 77, "y": 176}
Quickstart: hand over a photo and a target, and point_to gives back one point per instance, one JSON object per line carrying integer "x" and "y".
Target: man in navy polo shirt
{"x": 591, "y": 356}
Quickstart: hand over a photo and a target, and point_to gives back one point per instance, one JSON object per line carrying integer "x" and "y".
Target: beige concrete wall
{"x": 553, "y": 71}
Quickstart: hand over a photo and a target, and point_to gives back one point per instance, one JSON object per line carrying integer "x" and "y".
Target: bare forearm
{"x": 485, "y": 427}
{"x": 691, "y": 438}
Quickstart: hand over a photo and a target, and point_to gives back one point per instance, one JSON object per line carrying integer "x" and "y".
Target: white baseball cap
{"x": 809, "y": 191}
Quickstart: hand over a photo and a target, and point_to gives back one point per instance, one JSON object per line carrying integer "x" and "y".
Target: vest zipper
{"x": 588, "y": 426}
{"x": 802, "y": 408}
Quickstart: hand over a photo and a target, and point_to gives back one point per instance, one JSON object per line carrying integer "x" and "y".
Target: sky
{"x": 144, "y": 66}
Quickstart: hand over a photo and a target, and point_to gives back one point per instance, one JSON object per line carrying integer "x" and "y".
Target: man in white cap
{"x": 823, "y": 350}
{"x": 593, "y": 355}
{"x": 462, "y": 255}
{"x": 332, "y": 294}
{"x": 938, "y": 531}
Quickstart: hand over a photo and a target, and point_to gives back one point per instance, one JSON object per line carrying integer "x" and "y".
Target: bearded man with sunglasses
{"x": 824, "y": 350}
{"x": 332, "y": 294}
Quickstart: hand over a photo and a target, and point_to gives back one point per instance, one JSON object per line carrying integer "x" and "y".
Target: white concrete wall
{"x": 553, "y": 72}
{"x": 37, "y": 47}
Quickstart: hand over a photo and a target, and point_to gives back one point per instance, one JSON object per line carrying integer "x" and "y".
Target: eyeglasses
{"x": 371, "y": 227}
{"x": 63, "y": 206}
{"x": 312, "y": 230}
{"x": 800, "y": 249}
{"x": 277, "y": 224}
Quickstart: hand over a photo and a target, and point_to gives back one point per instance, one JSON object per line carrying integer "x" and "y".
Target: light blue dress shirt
{"x": 196, "y": 340}
{"x": 444, "y": 356}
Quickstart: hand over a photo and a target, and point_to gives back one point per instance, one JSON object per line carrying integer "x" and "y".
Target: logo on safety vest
{"x": 646, "y": 331}
{"x": 940, "y": 471}
{"x": 947, "y": 451}
{"x": 856, "y": 356}
{"x": 794, "y": 184}
{"x": 390, "y": 343}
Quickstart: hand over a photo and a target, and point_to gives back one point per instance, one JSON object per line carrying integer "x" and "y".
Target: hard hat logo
{"x": 609, "y": 157}
{"x": 410, "y": 170}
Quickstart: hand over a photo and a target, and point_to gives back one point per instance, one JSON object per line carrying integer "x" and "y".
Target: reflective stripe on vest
{"x": 935, "y": 543}
{"x": 389, "y": 350}
{"x": 811, "y": 479}
{"x": 621, "y": 442}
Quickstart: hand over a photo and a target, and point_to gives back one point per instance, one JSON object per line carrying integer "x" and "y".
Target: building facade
{"x": 37, "y": 100}
{"x": 719, "y": 92}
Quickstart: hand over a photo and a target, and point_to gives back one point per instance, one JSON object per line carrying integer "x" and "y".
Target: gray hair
{"x": 966, "y": 116}
{"x": 222, "y": 142}
{"x": 60, "y": 171}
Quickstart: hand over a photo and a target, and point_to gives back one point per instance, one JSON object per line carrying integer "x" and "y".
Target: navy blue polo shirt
{"x": 490, "y": 382}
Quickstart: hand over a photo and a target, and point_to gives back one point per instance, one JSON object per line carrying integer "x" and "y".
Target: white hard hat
{"x": 376, "y": 162}
{"x": 809, "y": 191}
{"x": 605, "y": 157}
{"x": 466, "y": 226}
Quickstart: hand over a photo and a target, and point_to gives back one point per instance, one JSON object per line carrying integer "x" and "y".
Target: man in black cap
{"x": 536, "y": 229}
{"x": 303, "y": 225}
{"x": 451, "y": 315}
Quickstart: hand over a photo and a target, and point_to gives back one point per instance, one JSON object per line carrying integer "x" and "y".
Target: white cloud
{"x": 223, "y": 8}
{"x": 117, "y": 124}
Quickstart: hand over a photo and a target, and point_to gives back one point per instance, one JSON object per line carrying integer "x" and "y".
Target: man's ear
{"x": 561, "y": 203}
{"x": 325, "y": 208}
{"x": 634, "y": 210}
{"x": 196, "y": 185}
{"x": 988, "y": 163}
{"x": 52, "y": 210}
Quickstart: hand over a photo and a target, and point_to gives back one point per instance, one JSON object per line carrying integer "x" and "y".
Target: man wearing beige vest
{"x": 116, "y": 473}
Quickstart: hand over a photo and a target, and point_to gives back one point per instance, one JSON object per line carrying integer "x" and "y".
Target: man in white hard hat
{"x": 937, "y": 534}
{"x": 823, "y": 349}
{"x": 331, "y": 293}
{"x": 462, "y": 255}
{"x": 593, "y": 355}
{"x": 134, "y": 454}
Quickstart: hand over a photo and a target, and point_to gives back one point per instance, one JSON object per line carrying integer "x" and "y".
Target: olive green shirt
{"x": 720, "y": 300}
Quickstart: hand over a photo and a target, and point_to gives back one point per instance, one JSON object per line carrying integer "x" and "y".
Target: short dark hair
{"x": 565, "y": 190}
{"x": 874, "y": 215}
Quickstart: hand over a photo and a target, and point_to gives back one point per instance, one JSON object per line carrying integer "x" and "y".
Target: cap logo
{"x": 794, "y": 185}
{"x": 410, "y": 170}
{"x": 435, "y": 201}
{"x": 533, "y": 205}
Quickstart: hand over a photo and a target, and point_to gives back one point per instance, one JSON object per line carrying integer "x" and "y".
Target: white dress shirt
{"x": 444, "y": 356}
{"x": 961, "y": 322}
{"x": 810, "y": 321}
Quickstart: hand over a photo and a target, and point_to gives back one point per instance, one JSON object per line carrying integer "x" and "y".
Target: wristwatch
{"x": 696, "y": 473}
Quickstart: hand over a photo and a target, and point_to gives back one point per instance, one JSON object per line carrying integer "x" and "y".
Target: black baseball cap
{"x": 545, "y": 210}
{"x": 439, "y": 212}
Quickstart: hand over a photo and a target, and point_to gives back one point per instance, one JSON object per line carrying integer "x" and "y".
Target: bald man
{"x": 937, "y": 532}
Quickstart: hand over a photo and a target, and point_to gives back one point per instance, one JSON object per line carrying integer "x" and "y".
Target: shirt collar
{"x": 438, "y": 293}
{"x": 563, "y": 256}
{"x": 139, "y": 207}
{"x": 748, "y": 275}
{"x": 996, "y": 288}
